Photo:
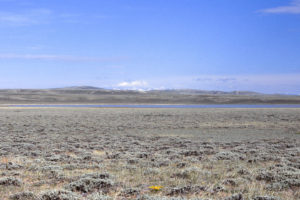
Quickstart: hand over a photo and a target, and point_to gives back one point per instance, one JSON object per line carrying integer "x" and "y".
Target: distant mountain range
{"x": 95, "y": 95}
{"x": 80, "y": 88}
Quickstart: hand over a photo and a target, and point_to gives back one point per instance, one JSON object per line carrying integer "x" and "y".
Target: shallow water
{"x": 168, "y": 106}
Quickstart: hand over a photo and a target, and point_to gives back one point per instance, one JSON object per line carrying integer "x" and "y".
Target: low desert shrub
{"x": 130, "y": 192}
{"x": 10, "y": 181}
{"x": 99, "y": 196}
{"x": 266, "y": 198}
{"x": 146, "y": 197}
{"x": 91, "y": 182}
{"x": 59, "y": 195}
{"x": 235, "y": 197}
{"x": 186, "y": 190}
{"x": 23, "y": 196}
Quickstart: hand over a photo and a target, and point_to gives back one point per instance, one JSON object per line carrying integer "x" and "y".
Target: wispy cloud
{"x": 49, "y": 57}
{"x": 46, "y": 16}
{"x": 292, "y": 8}
{"x": 31, "y": 17}
{"x": 219, "y": 79}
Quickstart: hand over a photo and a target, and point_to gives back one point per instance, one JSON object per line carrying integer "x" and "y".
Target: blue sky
{"x": 151, "y": 44}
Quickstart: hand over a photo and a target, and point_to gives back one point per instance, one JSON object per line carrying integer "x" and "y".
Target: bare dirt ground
{"x": 115, "y": 153}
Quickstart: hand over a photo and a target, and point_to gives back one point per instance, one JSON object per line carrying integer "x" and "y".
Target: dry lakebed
{"x": 149, "y": 153}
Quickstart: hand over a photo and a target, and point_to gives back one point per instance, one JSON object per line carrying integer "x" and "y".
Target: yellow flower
{"x": 155, "y": 187}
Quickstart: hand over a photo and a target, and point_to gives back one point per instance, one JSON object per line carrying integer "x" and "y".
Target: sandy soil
{"x": 115, "y": 153}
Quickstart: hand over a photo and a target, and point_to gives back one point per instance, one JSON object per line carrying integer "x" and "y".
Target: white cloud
{"x": 292, "y": 8}
{"x": 133, "y": 84}
{"x": 49, "y": 57}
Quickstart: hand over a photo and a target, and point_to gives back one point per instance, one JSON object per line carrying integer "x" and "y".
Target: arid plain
{"x": 118, "y": 153}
